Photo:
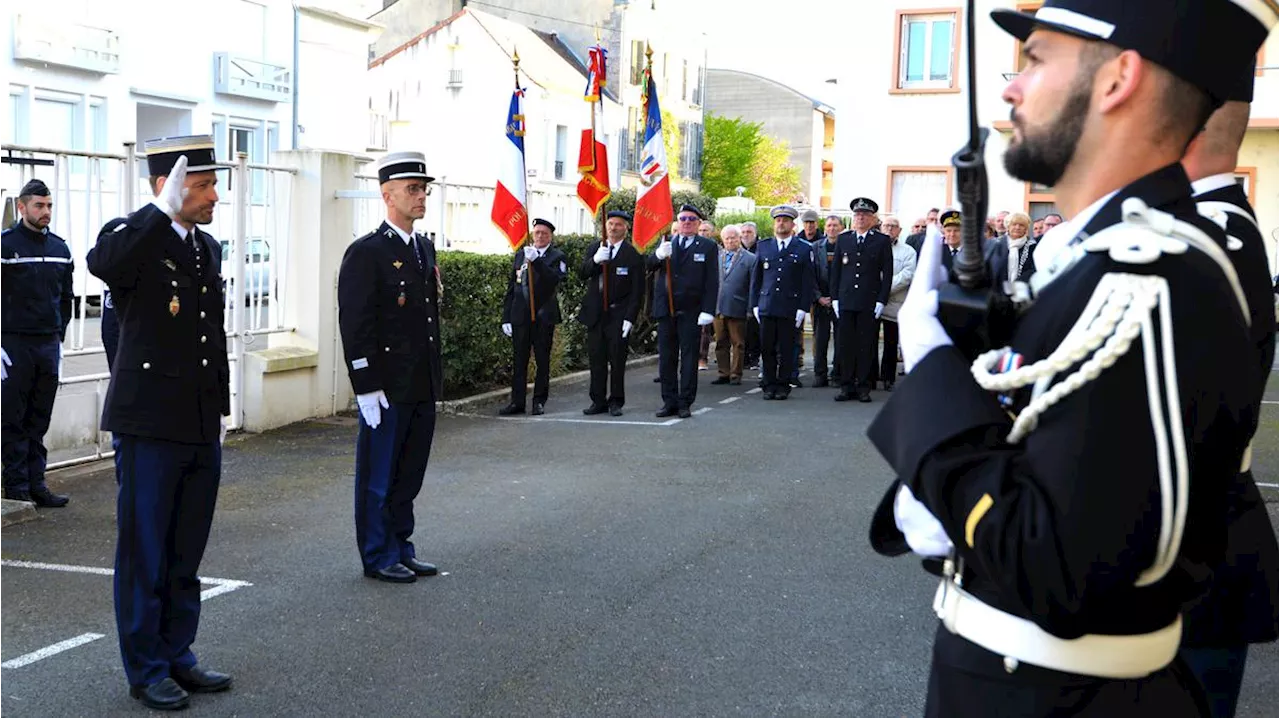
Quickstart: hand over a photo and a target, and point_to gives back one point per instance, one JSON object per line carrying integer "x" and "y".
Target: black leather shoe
{"x": 820, "y": 382}
{"x": 796, "y": 383}
{"x": 17, "y": 495}
{"x": 395, "y": 573}
{"x": 166, "y": 695}
{"x": 615, "y": 410}
{"x": 735, "y": 382}
{"x": 595, "y": 409}
{"x": 721, "y": 380}
{"x": 684, "y": 412}
{"x": 769, "y": 395}
{"x": 537, "y": 410}
{"x": 844, "y": 396}
{"x": 665, "y": 412}
{"x": 419, "y": 568}
{"x": 865, "y": 397}
{"x": 198, "y": 680}
{"x": 888, "y": 386}
{"x": 510, "y": 409}
{"x": 46, "y": 499}
{"x": 657, "y": 380}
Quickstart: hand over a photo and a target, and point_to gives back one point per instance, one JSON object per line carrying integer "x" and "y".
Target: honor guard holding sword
{"x": 685, "y": 288}
{"x": 530, "y": 313}
{"x": 615, "y": 287}
{"x": 783, "y": 287}
{"x": 389, "y": 291}
{"x": 166, "y": 407}
{"x": 1073, "y": 477}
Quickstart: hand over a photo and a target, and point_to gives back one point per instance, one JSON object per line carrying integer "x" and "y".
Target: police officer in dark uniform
{"x": 615, "y": 286}
{"x": 38, "y": 301}
{"x": 530, "y": 313}
{"x": 166, "y": 406}
{"x": 782, "y": 290}
{"x": 110, "y": 327}
{"x": 685, "y": 288}
{"x": 1074, "y": 483}
{"x": 860, "y": 279}
{"x": 389, "y": 290}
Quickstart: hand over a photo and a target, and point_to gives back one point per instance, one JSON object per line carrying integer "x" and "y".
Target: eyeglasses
{"x": 688, "y": 219}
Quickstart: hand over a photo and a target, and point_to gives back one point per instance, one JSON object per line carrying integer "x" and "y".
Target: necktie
{"x": 784, "y": 245}
{"x": 417, "y": 253}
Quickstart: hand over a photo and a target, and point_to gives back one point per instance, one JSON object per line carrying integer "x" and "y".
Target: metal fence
{"x": 90, "y": 188}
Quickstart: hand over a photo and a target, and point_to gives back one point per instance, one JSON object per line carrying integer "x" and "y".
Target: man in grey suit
{"x": 736, "y": 266}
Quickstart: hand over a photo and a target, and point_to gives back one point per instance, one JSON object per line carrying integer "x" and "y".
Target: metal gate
{"x": 89, "y": 189}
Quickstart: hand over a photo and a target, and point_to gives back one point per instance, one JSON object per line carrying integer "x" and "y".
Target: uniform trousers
{"x": 857, "y": 342}
{"x": 164, "y": 510}
{"x": 1220, "y": 672}
{"x": 730, "y": 346}
{"x": 678, "y": 359}
{"x": 753, "y": 341}
{"x": 607, "y": 353}
{"x": 26, "y": 405}
{"x": 825, "y": 330}
{"x": 889, "y": 354}
{"x": 391, "y": 462}
{"x": 778, "y": 341}
{"x": 538, "y": 338}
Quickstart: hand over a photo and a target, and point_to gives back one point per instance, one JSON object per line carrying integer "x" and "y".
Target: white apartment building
{"x": 896, "y": 139}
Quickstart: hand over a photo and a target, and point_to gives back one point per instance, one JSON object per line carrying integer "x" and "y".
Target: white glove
{"x": 924, "y": 534}
{"x": 879, "y": 309}
{"x": 222, "y": 431}
{"x": 602, "y": 255}
{"x": 371, "y": 406}
{"x": 5, "y": 362}
{"x": 704, "y": 319}
{"x": 626, "y": 328}
{"x": 59, "y": 361}
{"x": 171, "y": 195}
{"x": 835, "y": 306}
{"x": 506, "y": 329}
{"x": 756, "y": 311}
{"x": 799, "y": 317}
{"x": 664, "y": 249}
{"x": 919, "y": 330}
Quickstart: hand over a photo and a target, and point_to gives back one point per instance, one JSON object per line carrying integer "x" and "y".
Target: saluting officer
{"x": 1075, "y": 482}
{"x": 615, "y": 286}
{"x": 166, "y": 407}
{"x": 38, "y": 301}
{"x": 860, "y": 279}
{"x": 530, "y": 313}
{"x": 782, "y": 289}
{"x": 389, "y": 314}
{"x": 685, "y": 288}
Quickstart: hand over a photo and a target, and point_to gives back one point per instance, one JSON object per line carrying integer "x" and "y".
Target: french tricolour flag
{"x": 653, "y": 200}
{"x": 509, "y": 212}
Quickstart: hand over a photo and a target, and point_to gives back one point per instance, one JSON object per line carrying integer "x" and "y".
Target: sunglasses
{"x": 687, "y": 219}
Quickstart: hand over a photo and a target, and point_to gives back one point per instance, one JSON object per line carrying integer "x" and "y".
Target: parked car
{"x": 257, "y": 268}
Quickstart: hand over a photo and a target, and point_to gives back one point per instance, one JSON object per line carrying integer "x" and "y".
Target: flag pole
{"x": 515, "y": 63}
{"x": 648, "y": 53}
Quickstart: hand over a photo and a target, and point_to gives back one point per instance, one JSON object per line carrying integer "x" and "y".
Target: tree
{"x": 671, "y": 143}
{"x": 773, "y": 179}
{"x": 728, "y": 150}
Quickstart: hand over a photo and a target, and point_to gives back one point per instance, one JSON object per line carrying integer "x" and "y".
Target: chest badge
{"x": 400, "y": 299}
{"x": 766, "y": 264}
{"x": 845, "y": 260}
{"x": 174, "y": 306}
{"x": 397, "y": 264}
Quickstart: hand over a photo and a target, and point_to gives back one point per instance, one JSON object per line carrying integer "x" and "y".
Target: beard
{"x": 1043, "y": 153}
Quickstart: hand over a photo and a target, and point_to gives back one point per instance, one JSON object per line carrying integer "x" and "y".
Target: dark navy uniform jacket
{"x": 695, "y": 278}
{"x": 37, "y": 289}
{"x": 389, "y": 316}
{"x": 861, "y": 274}
{"x": 625, "y": 285}
{"x": 170, "y": 378}
{"x": 1069, "y": 517}
{"x": 547, "y": 272}
{"x": 783, "y": 281}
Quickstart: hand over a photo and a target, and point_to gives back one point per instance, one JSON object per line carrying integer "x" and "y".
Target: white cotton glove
{"x": 371, "y": 406}
{"x": 171, "y": 195}
{"x": 879, "y": 309}
{"x": 704, "y": 319}
{"x": 626, "y": 328}
{"x": 835, "y": 306}
{"x": 222, "y": 429}
{"x": 506, "y": 328}
{"x": 919, "y": 330}
{"x": 602, "y": 255}
{"x": 799, "y": 317}
{"x": 756, "y": 311}
{"x": 924, "y": 534}
{"x": 664, "y": 249}
{"x": 5, "y": 363}
{"x": 59, "y": 361}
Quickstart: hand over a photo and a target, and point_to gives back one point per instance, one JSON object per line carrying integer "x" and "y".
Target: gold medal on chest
{"x": 397, "y": 264}
{"x": 400, "y": 299}
{"x": 174, "y": 306}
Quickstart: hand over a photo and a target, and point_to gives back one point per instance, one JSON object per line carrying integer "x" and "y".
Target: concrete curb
{"x": 16, "y": 512}
{"x": 455, "y": 406}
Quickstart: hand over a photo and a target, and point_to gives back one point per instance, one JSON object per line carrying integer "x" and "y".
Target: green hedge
{"x": 477, "y": 355}
{"x": 764, "y": 223}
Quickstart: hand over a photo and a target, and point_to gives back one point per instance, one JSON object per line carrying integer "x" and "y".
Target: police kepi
{"x": 167, "y": 403}
{"x": 389, "y": 315}
{"x": 38, "y": 298}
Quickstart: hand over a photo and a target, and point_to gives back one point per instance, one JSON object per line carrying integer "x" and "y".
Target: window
{"x": 562, "y": 149}
{"x": 1246, "y": 177}
{"x": 1039, "y": 200}
{"x": 637, "y": 61}
{"x": 927, "y": 51}
{"x": 53, "y": 124}
{"x": 912, "y": 191}
{"x": 17, "y": 133}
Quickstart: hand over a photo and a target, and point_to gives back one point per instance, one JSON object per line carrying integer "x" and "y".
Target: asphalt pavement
{"x": 591, "y": 566}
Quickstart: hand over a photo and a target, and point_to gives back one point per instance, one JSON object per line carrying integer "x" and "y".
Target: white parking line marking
{"x": 597, "y": 422}
{"x": 1268, "y": 401}
{"x": 53, "y": 650}
{"x": 701, "y": 411}
{"x": 730, "y": 400}
{"x": 756, "y": 390}
{"x": 1269, "y": 486}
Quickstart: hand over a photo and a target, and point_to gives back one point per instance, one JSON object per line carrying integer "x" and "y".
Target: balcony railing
{"x": 379, "y": 130}
{"x": 64, "y": 43}
{"x": 245, "y": 77}
{"x": 559, "y": 169}
{"x": 455, "y": 78}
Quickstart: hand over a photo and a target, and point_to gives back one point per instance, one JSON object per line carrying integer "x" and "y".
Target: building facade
{"x": 899, "y": 133}
{"x": 805, "y": 124}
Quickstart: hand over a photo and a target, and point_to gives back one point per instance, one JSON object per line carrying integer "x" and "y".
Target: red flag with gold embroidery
{"x": 593, "y": 157}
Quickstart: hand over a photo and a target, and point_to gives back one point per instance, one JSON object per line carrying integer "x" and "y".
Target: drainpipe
{"x": 294, "y": 77}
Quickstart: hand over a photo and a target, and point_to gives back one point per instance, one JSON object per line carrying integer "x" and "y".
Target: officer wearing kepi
{"x": 1075, "y": 481}
{"x": 389, "y": 290}
{"x": 614, "y": 274}
{"x": 860, "y": 279}
{"x": 38, "y": 300}
{"x": 530, "y": 313}
{"x": 783, "y": 287}
{"x": 166, "y": 407}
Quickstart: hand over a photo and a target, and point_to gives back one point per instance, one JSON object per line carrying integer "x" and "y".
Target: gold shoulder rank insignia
{"x": 397, "y": 264}
{"x": 169, "y": 263}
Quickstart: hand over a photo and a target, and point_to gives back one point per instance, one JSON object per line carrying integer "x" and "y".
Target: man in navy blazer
{"x": 860, "y": 279}
{"x": 782, "y": 289}
{"x": 686, "y": 285}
